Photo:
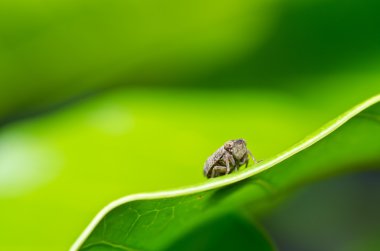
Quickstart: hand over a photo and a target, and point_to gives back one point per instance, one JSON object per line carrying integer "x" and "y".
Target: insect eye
{"x": 228, "y": 145}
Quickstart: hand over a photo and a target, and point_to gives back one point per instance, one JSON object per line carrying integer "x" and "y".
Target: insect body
{"x": 228, "y": 158}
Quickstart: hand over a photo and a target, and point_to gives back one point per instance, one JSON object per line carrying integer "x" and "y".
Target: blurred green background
{"x": 99, "y": 100}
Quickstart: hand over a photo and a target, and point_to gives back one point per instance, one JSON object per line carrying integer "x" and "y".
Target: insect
{"x": 232, "y": 155}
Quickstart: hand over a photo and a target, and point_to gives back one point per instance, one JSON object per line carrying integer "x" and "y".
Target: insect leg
{"x": 218, "y": 171}
{"x": 232, "y": 161}
{"x": 245, "y": 160}
{"x": 253, "y": 158}
{"x": 226, "y": 159}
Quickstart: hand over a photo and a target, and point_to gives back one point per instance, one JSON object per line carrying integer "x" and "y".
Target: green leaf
{"x": 153, "y": 221}
{"x": 227, "y": 232}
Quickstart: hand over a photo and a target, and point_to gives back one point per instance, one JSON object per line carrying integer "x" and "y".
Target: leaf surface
{"x": 154, "y": 221}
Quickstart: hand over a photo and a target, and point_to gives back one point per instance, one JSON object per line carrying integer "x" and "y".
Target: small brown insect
{"x": 232, "y": 155}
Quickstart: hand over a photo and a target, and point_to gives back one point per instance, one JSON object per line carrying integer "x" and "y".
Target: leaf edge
{"x": 313, "y": 138}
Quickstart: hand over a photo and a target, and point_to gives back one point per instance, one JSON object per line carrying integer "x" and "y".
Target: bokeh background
{"x": 99, "y": 100}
